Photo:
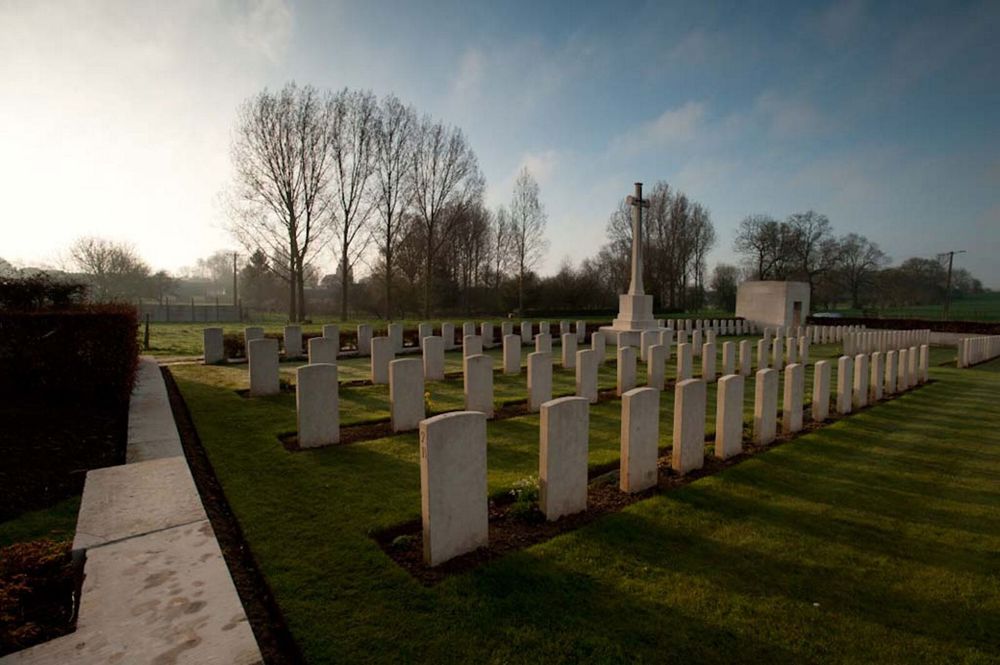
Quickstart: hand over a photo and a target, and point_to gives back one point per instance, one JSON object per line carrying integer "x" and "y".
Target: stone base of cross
{"x": 635, "y": 308}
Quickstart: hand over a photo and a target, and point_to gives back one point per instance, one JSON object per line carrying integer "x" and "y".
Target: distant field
{"x": 984, "y": 307}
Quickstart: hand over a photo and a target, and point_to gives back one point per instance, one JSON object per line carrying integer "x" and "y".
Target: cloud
{"x": 677, "y": 125}
{"x": 541, "y": 165}
{"x": 842, "y": 21}
{"x": 788, "y": 117}
{"x": 470, "y": 74}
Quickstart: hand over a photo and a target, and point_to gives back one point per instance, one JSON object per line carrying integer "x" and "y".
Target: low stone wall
{"x": 156, "y": 586}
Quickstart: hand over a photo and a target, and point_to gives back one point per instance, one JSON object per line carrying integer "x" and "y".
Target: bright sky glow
{"x": 115, "y": 117}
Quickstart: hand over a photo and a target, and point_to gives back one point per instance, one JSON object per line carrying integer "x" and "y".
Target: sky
{"x": 116, "y": 117}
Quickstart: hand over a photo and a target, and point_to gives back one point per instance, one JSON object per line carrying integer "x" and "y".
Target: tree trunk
{"x": 292, "y": 309}
{"x": 388, "y": 287}
{"x": 428, "y": 266}
{"x": 301, "y": 279}
{"x": 343, "y": 285}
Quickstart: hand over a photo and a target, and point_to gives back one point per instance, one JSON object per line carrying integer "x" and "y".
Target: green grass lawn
{"x": 982, "y": 307}
{"x": 874, "y": 539}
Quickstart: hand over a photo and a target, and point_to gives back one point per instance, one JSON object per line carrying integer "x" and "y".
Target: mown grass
{"x": 57, "y": 522}
{"x": 874, "y": 539}
{"x": 982, "y": 307}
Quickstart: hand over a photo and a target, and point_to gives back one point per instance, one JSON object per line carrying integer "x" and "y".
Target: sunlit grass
{"x": 873, "y": 539}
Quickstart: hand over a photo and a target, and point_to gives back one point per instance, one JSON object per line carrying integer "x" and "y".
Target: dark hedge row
{"x": 966, "y": 327}
{"x": 81, "y": 354}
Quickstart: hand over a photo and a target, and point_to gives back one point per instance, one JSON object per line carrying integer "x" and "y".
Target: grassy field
{"x": 983, "y": 307}
{"x": 873, "y": 539}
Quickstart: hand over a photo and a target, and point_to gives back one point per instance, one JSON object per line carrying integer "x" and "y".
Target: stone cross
{"x": 638, "y": 203}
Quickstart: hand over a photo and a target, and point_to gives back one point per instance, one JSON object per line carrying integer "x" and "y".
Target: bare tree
{"x": 703, "y": 239}
{"x": 282, "y": 160}
{"x": 446, "y": 179}
{"x": 501, "y": 241}
{"x": 725, "y": 283}
{"x": 527, "y": 221}
{"x": 395, "y": 126}
{"x": 859, "y": 261}
{"x": 761, "y": 240}
{"x": 352, "y": 138}
{"x": 812, "y": 248}
{"x": 114, "y": 269}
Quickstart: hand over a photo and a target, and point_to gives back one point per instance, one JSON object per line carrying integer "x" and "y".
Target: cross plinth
{"x": 635, "y": 308}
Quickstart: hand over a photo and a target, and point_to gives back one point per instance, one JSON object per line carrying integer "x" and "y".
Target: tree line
{"x": 347, "y": 171}
{"x": 845, "y": 269}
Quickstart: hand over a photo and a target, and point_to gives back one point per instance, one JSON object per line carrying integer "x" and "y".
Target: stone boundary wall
{"x": 156, "y": 587}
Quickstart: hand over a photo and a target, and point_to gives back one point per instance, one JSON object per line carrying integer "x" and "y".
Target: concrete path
{"x": 156, "y": 587}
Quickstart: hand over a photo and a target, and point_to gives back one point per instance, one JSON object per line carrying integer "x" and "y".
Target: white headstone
{"x": 323, "y": 350}
{"x": 539, "y": 380}
{"x": 688, "y": 444}
{"x": 215, "y": 350}
{"x": 568, "y": 350}
{"x": 656, "y": 366}
{"x": 448, "y": 335}
{"x": 433, "y": 358}
{"x": 845, "y": 384}
{"x": 511, "y": 354}
{"x": 765, "y": 406}
{"x": 729, "y": 417}
{"x": 262, "y": 355}
{"x": 472, "y": 345}
{"x": 684, "y": 362}
{"x": 383, "y": 352}
{"x": 364, "y": 339}
{"x": 293, "y": 342}
{"x": 791, "y": 413}
{"x": 406, "y": 394}
{"x": 626, "y": 369}
{"x": 317, "y": 405}
{"x": 708, "y": 362}
{"x": 478, "y": 384}
{"x": 562, "y": 460}
{"x": 586, "y": 374}
{"x": 453, "y": 490}
{"x": 821, "y": 391}
{"x": 640, "y": 439}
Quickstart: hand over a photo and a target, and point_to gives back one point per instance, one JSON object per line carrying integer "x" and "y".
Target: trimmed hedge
{"x": 83, "y": 354}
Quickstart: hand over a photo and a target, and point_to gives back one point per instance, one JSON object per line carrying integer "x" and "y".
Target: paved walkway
{"x": 156, "y": 587}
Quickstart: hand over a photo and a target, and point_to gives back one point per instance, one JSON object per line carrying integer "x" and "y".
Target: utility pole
{"x": 235, "y": 282}
{"x": 947, "y": 289}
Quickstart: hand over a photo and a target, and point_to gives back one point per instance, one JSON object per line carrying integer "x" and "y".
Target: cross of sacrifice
{"x": 637, "y": 203}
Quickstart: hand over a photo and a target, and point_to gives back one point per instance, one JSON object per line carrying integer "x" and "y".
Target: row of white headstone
{"x": 883, "y": 340}
{"x": 453, "y": 469}
{"x": 974, "y": 350}
{"x": 293, "y": 338}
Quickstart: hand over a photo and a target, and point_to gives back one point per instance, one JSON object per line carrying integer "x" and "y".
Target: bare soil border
{"x": 268, "y": 623}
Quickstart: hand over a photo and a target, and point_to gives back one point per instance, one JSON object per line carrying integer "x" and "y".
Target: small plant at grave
{"x": 525, "y": 506}
{"x": 403, "y": 542}
{"x": 428, "y": 403}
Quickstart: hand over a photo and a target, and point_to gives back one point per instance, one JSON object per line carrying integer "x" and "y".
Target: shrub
{"x": 83, "y": 354}
{"x": 36, "y": 593}
{"x": 39, "y": 292}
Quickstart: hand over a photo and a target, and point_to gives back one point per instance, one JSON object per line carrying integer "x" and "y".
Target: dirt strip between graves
{"x": 268, "y": 623}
